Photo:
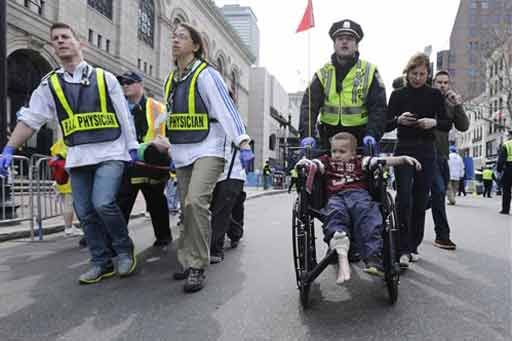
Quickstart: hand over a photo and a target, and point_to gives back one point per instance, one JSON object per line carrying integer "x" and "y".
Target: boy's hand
{"x": 407, "y": 160}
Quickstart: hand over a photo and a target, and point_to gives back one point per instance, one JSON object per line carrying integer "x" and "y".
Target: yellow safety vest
{"x": 187, "y": 120}
{"x": 347, "y": 106}
{"x": 92, "y": 126}
{"x": 294, "y": 173}
{"x": 508, "y": 147}
{"x": 59, "y": 148}
{"x": 487, "y": 174}
{"x": 153, "y": 110}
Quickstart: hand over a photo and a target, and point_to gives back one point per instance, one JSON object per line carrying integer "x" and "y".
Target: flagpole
{"x": 309, "y": 88}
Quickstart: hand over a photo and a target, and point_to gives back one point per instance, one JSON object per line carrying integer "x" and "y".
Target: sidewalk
{"x": 55, "y": 225}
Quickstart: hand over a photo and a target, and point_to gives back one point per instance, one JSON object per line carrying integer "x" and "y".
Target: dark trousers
{"x": 156, "y": 204}
{"x": 411, "y": 201}
{"x": 506, "y": 182}
{"x": 438, "y": 197}
{"x": 292, "y": 182}
{"x": 236, "y": 228}
{"x": 224, "y": 199}
{"x": 487, "y": 188}
{"x": 355, "y": 213}
{"x": 462, "y": 186}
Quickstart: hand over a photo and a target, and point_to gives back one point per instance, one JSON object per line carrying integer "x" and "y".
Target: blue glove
{"x": 246, "y": 156}
{"x": 369, "y": 140}
{"x": 133, "y": 155}
{"x": 308, "y": 141}
{"x": 172, "y": 166}
{"x": 6, "y": 159}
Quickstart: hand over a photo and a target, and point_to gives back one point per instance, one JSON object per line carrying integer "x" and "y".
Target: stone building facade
{"x": 120, "y": 35}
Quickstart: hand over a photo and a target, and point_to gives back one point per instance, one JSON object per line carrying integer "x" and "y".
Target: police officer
{"x": 88, "y": 103}
{"x": 202, "y": 122}
{"x": 149, "y": 118}
{"x": 505, "y": 167}
{"x": 347, "y": 93}
{"x": 487, "y": 177}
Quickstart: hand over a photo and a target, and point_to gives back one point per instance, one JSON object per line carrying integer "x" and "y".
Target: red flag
{"x": 308, "y": 20}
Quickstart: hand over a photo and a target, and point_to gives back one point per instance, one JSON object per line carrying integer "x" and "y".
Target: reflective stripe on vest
{"x": 84, "y": 121}
{"x": 487, "y": 174}
{"x": 508, "y": 147}
{"x": 153, "y": 110}
{"x": 187, "y": 120}
{"x": 348, "y": 106}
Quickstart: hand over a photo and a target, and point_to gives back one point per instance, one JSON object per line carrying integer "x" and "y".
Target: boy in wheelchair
{"x": 350, "y": 211}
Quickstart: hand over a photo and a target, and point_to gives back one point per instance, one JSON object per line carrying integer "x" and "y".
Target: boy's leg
{"x": 336, "y": 234}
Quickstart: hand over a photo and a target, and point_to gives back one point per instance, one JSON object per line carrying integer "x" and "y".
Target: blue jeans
{"x": 438, "y": 195}
{"x": 355, "y": 213}
{"x": 413, "y": 188}
{"x": 95, "y": 189}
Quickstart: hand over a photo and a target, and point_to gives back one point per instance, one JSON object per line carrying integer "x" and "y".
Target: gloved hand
{"x": 172, "y": 166}
{"x": 6, "y": 159}
{"x": 369, "y": 140}
{"x": 133, "y": 156}
{"x": 246, "y": 156}
{"x": 308, "y": 141}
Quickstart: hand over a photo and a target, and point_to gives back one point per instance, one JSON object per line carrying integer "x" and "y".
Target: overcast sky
{"x": 393, "y": 31}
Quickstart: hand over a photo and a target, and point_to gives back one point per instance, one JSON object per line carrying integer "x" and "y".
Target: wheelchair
{"x": 308, "y": 206}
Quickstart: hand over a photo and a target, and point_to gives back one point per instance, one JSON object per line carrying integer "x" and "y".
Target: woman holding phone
{"x": 415, "y": 110}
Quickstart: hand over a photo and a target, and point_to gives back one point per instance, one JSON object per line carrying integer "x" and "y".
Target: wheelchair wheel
{"x": 391, "y": 264}
{"x": 304, "y": 252}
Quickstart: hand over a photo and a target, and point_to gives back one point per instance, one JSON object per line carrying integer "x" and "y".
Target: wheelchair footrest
{"x": 317, "y": 270}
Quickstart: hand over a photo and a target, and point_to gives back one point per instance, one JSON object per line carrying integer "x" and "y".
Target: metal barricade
{"x": 45, "y": 205}
{"x": 27, "y": 194}
{"x": 16, "y": 193}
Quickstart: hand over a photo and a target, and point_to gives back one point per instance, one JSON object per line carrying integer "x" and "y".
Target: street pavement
{"x": 461, "y": 295}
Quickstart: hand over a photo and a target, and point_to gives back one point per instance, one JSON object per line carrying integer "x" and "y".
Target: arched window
{"x": 233, "y": 89}
{"x": 102, "y": 6}
{"x": 220, "y": 65}
{"x": 146, "y": 21}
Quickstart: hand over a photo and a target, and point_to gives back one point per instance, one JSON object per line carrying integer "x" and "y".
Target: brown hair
{"x": 416, "y": 60}
{"x": 196, "y": 39}
{"x": 62, "y": 25}
{"x": 442, "y": 73}
{"x": 346, "y": 137}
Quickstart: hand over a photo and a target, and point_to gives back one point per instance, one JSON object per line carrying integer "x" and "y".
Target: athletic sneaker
{"x": 404, "y": 261}
{"x": 127, "y": 263}
{"x": 414, "y": 257}
{"x": 374, "y": 266}
{"x": 73, "y": 231}
{"x": 96, "y": 273}
{"x": 446, "y": 244}
{"x": 195, "y": 280}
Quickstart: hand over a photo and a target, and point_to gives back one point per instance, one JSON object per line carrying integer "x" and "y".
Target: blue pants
{"x": 354, "y": 213}
{"x": 94, "y": 196}
{"x": 438, "y": 194}
{"x": 412, "y": 196}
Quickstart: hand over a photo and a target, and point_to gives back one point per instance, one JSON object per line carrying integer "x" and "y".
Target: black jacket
{"x": 139, "y": 119}
{"x": 375, "y": 103}
{"x": 502, "y": 163}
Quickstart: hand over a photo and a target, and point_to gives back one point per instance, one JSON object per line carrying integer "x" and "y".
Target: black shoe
{"x": 82, "y": 242}
{"x": 234, "y": 243}
{"x": 503, "y": 212}
{"x": 214, "y": 259}
{"x": 161, "y": 242}
{"x": 195, "y": 280}
{"x": 181, "y": 274}
{"x": 446, "y": 244}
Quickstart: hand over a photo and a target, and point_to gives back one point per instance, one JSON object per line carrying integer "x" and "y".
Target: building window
{"x": 91, "y": 36}
{"x": 145, "y": 67}
{"x": 99, "y": 40}
{"x": 138, "y": 63}
{"x": 146, "y": 21}
{"x": 107, "y": 45}
{"x": 151, "y": 70}
{"x": 102, "y": 6}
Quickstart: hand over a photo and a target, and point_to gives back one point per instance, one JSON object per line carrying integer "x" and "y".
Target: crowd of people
{"x": 117, "y": 141}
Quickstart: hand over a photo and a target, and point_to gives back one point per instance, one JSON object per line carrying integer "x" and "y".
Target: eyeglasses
{"x": 180, "y": 36}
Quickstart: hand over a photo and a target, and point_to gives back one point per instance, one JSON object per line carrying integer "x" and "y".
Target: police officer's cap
{"x": 346, "y": 26}
{"x": 130, "y": 76}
